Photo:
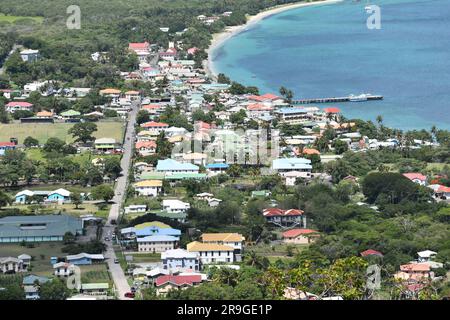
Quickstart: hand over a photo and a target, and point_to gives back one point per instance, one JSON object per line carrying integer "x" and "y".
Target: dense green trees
{"x": 103, "y": 192}
{"x": 392, "y": 188}
{"x": 54, "y": 290}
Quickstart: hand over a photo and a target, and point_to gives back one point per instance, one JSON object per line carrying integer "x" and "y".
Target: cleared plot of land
{"x": 12, "y": 19}
{"x": 277, "y": 251}
{"x": 96, "y": 273}
{"x": 43, "y": 131}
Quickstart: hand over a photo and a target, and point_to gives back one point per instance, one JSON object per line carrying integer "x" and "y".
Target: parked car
{"x": 116, "y": 260}
{"x": 129, "y": 295}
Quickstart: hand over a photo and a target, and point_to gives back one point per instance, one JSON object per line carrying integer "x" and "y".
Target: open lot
{"x": 43, "y": 131}
{"x": 85, "y": 208}
{"x": 275, "y": 251}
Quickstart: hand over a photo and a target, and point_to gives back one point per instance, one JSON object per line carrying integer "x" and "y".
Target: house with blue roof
{"x": 217, "y": 167}
{"x": 31, "y": 284}
{"x": 157, "y": 243}
{"x": 170, "y": 166}
{"x": 153, "y": 230}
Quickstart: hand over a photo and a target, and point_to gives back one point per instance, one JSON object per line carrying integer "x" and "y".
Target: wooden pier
{"x": 334, "y": 100}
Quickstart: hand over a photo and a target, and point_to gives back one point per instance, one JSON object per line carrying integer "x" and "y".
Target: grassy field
{"x": 40, "y": 254}
{"x": 43, "y": 131}
{"x": 81, "y": 158}
{"x": 12, "y": 19}
{"x": 85, "y": 208}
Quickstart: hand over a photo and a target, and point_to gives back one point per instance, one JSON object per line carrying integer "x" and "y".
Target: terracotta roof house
{"x": 14, "y": 106}
{"x": 165, "y": 283}
{"x": 284, "y": 217}
{"x": 371, "y": 252}
{"x": 416, "y": 177}
{"x": 332, "y": 110}
{"x": 300, "y": 236}
{"x": 145, "y": 148}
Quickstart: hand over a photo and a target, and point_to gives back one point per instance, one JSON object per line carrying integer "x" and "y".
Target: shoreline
{"x": 221, "y": 37}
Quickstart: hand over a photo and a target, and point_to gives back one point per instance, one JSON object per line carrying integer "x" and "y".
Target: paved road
{"x": 120, "y": 281}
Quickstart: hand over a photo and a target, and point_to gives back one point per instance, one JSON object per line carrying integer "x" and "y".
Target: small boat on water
{"x": 359, "y": 98}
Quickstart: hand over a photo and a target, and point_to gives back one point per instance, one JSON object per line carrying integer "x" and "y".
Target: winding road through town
{"x": 118, "y": 275}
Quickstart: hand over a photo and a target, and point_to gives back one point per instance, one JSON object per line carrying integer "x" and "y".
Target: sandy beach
{"x": 220, "y": 38}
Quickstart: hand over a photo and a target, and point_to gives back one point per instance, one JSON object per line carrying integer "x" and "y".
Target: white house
{"x": 211, "y": 253}
{"x": 174, "y": 205}
{"x": 29, "y": 55}
{"x": 148, "y": 187}
{"x": 63, "y": 269}
{"x": 136, "y": 208}
{"x": 301, "y": 165}
{"x": 156, "y": 244}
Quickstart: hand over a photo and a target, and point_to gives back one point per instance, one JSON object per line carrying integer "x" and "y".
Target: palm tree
{"x": 379, "y": 120}
{"x": 226, "y": 276}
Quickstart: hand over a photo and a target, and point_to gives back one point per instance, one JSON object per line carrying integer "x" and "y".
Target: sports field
{"x": 43, "y": 131}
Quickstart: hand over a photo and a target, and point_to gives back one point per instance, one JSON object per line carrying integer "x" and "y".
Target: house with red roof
{"x": 300, "y": 236}
{"x": 155, "y": 126}
{"x": 14, "y": 106}
{"x": 6, "y": 146}
{"x": 169, "y": 54}
{"x": 416, "y": 178}
{"x": 192, "y": 51}
{"x": 282, "y": 217}
{"x": 371, "y": 252}
{"x": 142, "y": 49}
{"x": 165, "y": 283}
{"x": 443, "y": 191}
{"x": 256, "y": 110}
{"x": 145, "y": 148}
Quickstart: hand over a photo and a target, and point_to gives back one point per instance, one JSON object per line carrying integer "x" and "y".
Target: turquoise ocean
{"x": 327, "y": 51}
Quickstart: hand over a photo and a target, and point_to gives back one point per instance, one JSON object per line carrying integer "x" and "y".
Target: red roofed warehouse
{"x": 300, "y": 236}
{"x": 284, "y": 217}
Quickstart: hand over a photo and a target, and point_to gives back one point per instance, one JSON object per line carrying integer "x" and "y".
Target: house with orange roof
{"x": 234, "y": 240}
{"x": 414, "y": 272}
{"x": 44, "y": 114}
{"x": 300, "y": 236}
{"x": 145, "y": 148}
{"x": 133, "y": 95}
{"x": 114, "y": 94}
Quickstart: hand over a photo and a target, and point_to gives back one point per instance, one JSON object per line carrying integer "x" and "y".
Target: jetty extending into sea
{"x": 334, "y": 99}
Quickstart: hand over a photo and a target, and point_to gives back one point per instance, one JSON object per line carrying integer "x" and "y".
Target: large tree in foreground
{"x": 82, "y": 131}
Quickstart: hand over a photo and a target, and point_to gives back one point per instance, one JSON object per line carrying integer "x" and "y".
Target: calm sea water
{"x": 327, "y": 51}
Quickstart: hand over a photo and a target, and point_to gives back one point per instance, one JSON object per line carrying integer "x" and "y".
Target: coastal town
{"x": 181, "y": 183}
